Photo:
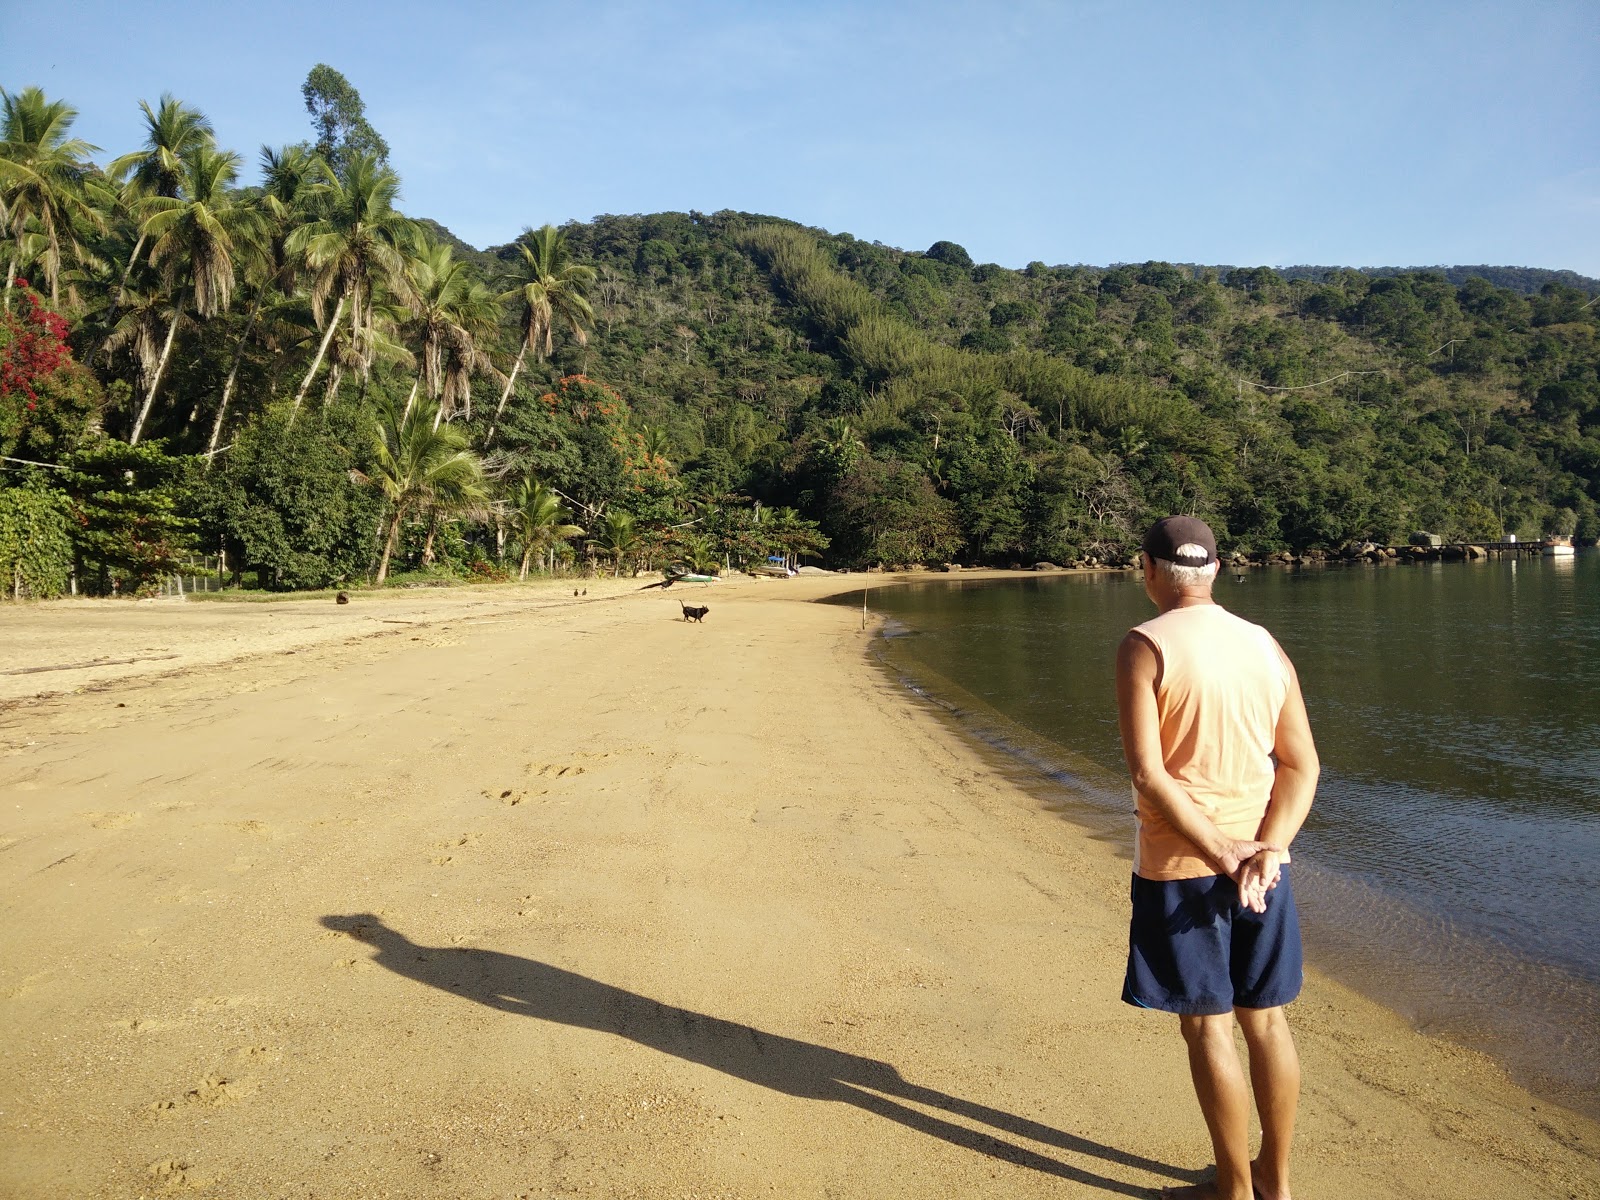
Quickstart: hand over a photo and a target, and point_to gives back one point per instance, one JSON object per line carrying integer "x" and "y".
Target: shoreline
{"x": 1090, "y": 798}
{"x": 284, "y": 921}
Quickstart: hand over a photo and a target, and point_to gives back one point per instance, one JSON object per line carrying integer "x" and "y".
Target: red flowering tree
{"x": 46, "y": 398}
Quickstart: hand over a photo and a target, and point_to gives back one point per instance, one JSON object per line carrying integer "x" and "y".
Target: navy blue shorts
{"x": 1193, "y": 949}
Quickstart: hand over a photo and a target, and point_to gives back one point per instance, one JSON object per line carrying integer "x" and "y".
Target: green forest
{"x": 296, "y": 385}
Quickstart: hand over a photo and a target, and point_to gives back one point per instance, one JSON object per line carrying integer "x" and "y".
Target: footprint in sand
{"x": 510, "y": 797}
{"x": 143, "y": 1024}
{"x": 214, "y": 1091}
{"x": 554, "y": 770}
{"x": 466, "y": 839}
{"x": 177, "y": 1175}
{"x": 27, "y": 985}
{"x": 213, "y": 1003}
{"x": 111, "y": 820}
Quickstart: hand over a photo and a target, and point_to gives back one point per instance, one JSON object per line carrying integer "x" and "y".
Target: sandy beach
{"x": 510, "y": 893}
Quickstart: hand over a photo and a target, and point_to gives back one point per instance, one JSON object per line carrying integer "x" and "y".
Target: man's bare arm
{"x": 1294, "y": 785}
{"x": 1137, "y": 668}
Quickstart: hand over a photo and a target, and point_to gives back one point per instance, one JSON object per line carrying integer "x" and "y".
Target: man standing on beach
{"x": 1224, "y": 768}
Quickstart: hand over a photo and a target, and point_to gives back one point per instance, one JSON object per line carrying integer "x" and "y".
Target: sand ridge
{"x": 542, "y": 898}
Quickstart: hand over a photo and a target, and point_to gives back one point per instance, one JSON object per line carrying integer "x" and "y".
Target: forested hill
{"x": 321, "y": 389}
{"x": 1529, "y": 281}
{"x": 1046, "y": 413}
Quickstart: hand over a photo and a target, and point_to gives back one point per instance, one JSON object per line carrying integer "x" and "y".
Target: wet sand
{"x": 503, "y": 894}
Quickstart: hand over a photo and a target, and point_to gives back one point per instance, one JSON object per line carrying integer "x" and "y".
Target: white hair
{"x": 1186, "y": 577}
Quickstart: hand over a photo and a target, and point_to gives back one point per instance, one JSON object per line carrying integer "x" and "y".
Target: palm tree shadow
{"x": 795, "y": 1068}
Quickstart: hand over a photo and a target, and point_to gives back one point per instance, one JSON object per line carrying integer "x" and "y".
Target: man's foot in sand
{"x": 1208, "y": 1190}
{"x": 1194, "y": 1191}
{"x": 1265, "y": 1186}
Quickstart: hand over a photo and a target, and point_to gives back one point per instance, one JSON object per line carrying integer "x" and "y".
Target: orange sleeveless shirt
{"x": 1222, "y": 685}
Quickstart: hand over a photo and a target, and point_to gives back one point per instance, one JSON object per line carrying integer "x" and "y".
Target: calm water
{"x": 1451, "y": 866}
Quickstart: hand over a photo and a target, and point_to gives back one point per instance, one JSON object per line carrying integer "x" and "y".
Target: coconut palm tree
{"x": 42, "y": 177}
{"x": 352, "y": 246}
{"x": 538, "y": 520}
{"x": 617, "y": 535}
{"x": 653, "y": 440}
{"x": 286, "y": 174}
{"x": 193, "y": 239}
{"x": 451, "y": 312}
{"x": 173, "y": 131}
{"x": 551, "y": 289}
{"x": 417, "y": 467}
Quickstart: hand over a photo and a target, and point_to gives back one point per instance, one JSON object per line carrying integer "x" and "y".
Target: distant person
{"x": 1224, "y": 769}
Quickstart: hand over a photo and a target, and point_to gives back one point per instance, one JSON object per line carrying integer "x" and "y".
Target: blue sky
{"x": 1339, "y": 133}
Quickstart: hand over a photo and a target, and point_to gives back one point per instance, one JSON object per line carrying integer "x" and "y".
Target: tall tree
{"x": 286, "y": 175}
{"x": 193, "y": 238}
{"x": 173, "y": 131}
{"x": 451, "y": 312}
{"x": 42, "y": 178}
{"x": 550, "y": 289}
{"x": 353, "y": 245}
{"x": 339, "y": 118}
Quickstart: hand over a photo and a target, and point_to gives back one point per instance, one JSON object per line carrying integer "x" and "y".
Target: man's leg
{"x": 1224, "y": 1101}
{"x": 1275, "y": 1079}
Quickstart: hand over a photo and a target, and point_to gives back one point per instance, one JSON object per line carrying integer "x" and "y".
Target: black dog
{"x": 693, "y": 612}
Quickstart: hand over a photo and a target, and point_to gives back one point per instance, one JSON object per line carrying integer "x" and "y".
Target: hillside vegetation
{"x": 308, "y": 385}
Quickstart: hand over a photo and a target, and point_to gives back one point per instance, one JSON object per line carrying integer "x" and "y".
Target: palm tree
{"x": 352, "y": 246}
{"x": 450, "y": 313}
{"x": 42, "y": 175}
{"x": 418, "y": 466}
{"x": 618, "y": 537}
{"x": 173, "y": 132}
{"x": 551, "y": 288}
{"x": 193, "y": 238}
{"x": 538, "y": 520}
{"x": 653, "y": 440}
{"x": 286, "y": 174}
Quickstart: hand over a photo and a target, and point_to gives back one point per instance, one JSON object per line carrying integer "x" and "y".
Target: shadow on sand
{"x": 802, "y": 1069}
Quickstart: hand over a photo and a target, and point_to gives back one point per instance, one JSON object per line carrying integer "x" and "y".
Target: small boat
{"x": 695, "y": 579}
{"x": 1557, "y": 546}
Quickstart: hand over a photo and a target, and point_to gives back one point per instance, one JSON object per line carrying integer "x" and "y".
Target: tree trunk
{"x": 127, "y": 273}
{"x": 155, "y": 383}
{"x": 506, "y": 395}
{"x": 410, "y": 400}
{"x": 335, "y": 377}
{"x": 233, "y": 374}
{"x": 338, "y": 310}
{"x": 527, "y": 553}
{"x": 389, "y": 545}
{"x": 427, "y": 546}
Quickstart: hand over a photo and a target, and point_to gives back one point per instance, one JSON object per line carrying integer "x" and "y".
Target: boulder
{"x": 1423, "y": 538}
{"x": 1045, "y": 566}
{"x": 1476, "y": 552}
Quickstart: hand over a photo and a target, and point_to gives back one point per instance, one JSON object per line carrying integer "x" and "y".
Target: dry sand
{"x": 542, "y": 898}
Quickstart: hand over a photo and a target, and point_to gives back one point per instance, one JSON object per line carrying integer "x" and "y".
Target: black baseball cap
{"x": 1176, "y": 539}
